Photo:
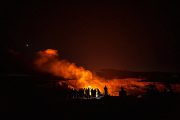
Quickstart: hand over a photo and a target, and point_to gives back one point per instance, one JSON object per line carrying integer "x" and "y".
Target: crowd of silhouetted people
{"x": 85, "y": 93}
{"x": 93, "y": 93}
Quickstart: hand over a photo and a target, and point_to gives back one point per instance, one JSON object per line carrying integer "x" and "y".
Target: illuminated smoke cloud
{"x": 78, "y": 77}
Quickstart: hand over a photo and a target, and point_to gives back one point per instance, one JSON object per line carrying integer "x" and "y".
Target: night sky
{"x": 138, "y": 36}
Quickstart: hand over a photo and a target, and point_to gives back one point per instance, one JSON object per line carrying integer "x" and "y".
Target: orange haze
{"x": 49, "y": 61}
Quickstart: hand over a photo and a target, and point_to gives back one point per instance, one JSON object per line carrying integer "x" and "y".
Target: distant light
{"x": 27, "y": 45}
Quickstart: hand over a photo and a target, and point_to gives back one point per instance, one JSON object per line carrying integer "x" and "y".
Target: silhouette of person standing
{"x": 105, "y": 91}
{"x": 122, "y": 92}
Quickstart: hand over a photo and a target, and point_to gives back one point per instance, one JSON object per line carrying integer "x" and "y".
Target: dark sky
{"x": 139, "y": 36}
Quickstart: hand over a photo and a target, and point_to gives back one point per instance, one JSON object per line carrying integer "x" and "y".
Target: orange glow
{"x": 49, "y": 61}
{"x": 50, "y": 52}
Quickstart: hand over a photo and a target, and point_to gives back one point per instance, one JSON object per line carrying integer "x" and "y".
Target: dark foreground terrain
{"x": 31, "y": 98}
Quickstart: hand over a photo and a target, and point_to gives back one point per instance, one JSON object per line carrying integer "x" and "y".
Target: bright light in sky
{"x": 27, "y": 45}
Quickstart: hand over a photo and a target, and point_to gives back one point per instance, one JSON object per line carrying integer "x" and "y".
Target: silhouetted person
{"x": 75, "y": 93}
{"x": 151, "y": 90}
{"x": 98, "y": 92}
{"x": 81, "y": 92}
{"x": 93, "y": 92}
{"x": 122, "y": 92}
{"x": 105, "y": 91}
{"x": 87, "y": 93}
{"x": 168, "y": 90}
{"x": 84, "y": 94}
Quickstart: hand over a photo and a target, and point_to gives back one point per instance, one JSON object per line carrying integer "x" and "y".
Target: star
{"x": 27, "y": 45}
